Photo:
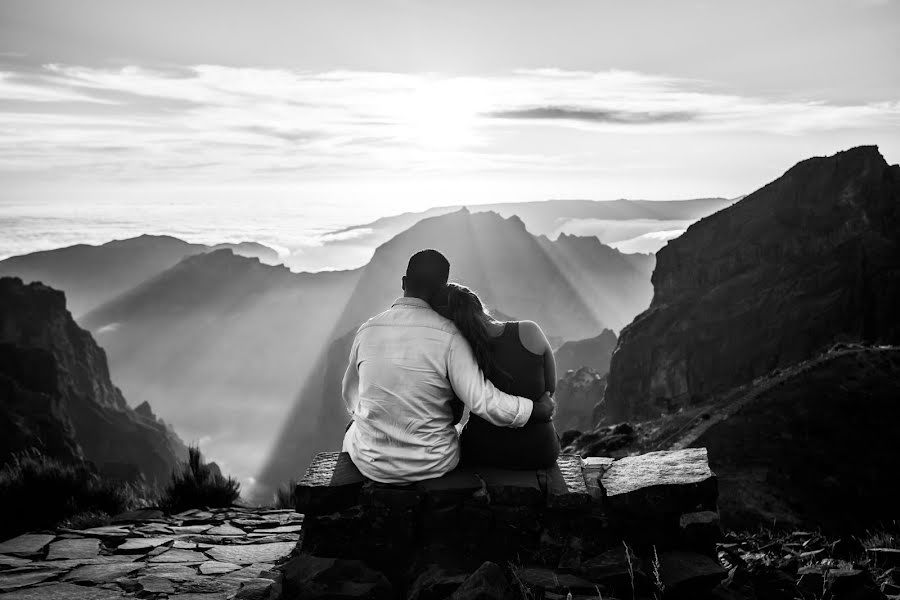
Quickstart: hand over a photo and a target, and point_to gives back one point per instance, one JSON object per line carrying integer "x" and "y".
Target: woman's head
{"x": 463, "y": 306}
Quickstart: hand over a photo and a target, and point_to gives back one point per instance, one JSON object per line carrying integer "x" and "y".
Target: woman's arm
{"x": 534, "y": 340}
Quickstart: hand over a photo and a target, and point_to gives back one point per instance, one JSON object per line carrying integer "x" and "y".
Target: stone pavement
{"x": 195, "y": 555}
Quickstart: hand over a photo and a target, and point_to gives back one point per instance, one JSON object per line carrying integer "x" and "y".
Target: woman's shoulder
{"x": 532, "y": 337}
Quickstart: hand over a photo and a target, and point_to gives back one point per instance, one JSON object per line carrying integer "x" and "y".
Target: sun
{"x": 442, "y": 114}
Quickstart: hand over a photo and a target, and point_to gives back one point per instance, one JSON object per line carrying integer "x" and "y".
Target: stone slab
{"x": 141, "y": 545}
{"x": 565, "y": 483}
{"x": 214, "y": 567}
{"x": 175, "y": 555}
{"x": 101, "y": 573}
{"x": 251, "y": 553}
{"x": 505, "y": 486}
{"x": 226, "y": 530}
{"x": 63, "y": 591}
{"x": 669, "y": 481}
{"x": 331, "y": 483}
{"x": 74, "y": 548}
{"x": 13, "y": 561}
{"x": 594, "y": 468}
{"x": 26, "y": 544}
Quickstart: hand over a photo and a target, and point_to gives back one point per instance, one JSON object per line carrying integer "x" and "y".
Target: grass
{"x": 39, "y": 492}
{"x": 199, "y": 485}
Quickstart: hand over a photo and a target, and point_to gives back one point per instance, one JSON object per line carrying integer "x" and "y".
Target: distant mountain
{"x": 92, "y": 275}
{"x": 57, "y": 394}
{"x": 810, "y": 259}
{"x": 579, "y": 393}
{"x": 221, "y": 345}
{"x": 594, "y": 352}
{"x": 568, "y": 286}
{"x": 633, "y": 223}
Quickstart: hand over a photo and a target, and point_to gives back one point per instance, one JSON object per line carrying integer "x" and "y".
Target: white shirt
{"x": 405, "y": 366}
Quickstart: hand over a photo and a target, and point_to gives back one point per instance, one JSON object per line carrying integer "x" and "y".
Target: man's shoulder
{"x": 405, "y": 316}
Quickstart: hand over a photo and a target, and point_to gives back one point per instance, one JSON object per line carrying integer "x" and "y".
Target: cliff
{"x": 810, "y": 259}
{"x": 595, "y": 352}
{"x": 58, "y": 396}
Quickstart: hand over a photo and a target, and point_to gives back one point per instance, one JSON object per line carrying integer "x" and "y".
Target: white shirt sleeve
{"x": 480, "y": 395}
{"x": 350, "y": 384}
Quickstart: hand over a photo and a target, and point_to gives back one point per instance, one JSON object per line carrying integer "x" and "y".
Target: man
{"x": 406, "y": 367}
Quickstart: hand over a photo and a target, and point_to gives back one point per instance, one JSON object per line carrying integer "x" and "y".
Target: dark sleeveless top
{"x": 519, "y": 372}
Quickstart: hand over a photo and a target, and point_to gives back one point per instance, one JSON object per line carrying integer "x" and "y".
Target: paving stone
{"x": 178, "y": 556}
{"x": 155, "y": 529}
{"x": 102, "y": 573}
{"x": 101, "y": 532}
{"x": 226, "y": 530}
{"x": 253, "y": 571}
{"x": 248, "y": 554}
{"x": 170, "y": 571}
{"x": 190, "y": 529}
{"x": 214, "y": 567}
{"x": 13, "y": 561}
{"x": 204, "y": 584}
{"x": 331, "y": 483}
{"x": 280, "y": 529}
{"x": 24, "y": 576}
{"x": 155, "y": 584}
{"x": 255, "y": 589}
{"x": 212, "y": 596}
{"x": 63, "y": 591}
{"x": 26, "y": 544}
{"x": 142, "y": 545}
{"x": 185, "y": 545}
{"x": 252, "y": 523}
{"x": 74, "y": 548}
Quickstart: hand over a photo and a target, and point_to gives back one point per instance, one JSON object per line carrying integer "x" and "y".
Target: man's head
{"x": 426, "y": 273}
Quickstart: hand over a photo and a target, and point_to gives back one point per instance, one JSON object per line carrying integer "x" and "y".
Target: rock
{"x": 435, "y": 583}
{"x": 688, "y": 575}
{"x": 565, "y": 485}
{"x": 142, "y": 545}
{"x": 170, "y": 571}
{"x": 617, "y": 569}
{"x": 251, "y": 553}
{"x": 212, "y": 567}
{"x": 75, "y": 548}
{"x": 852, "y": 584}
{"x": 101, "y": 573}
{"x": 332, "y": 482}
{"x": 226, "y": 530}
{"x": 13, "y": 561}
{"x": 487, "y": 583}
{"x": 594, "y": 352}
{"x": 312, "y": 577}
{"x": 577, "y": 395}
{"x": 154, "y": 584}
{"x": 178, "y": 556}
{"x": 257, "y": 589}
{"x": 94, "y": 420}
{"x": 700, "y": 531}
{"x": 662, "y": 482}
{"x": 28, "y": 544}
{"x": 63, "y": 591}
{"x": 24, "y": 576}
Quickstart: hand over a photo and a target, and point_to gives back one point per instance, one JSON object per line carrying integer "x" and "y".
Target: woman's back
{"x": 520, "y": 372}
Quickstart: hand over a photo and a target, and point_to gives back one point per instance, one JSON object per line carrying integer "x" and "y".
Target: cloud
{"x": 588, "y": 115}
{"x": 222, "y": 123}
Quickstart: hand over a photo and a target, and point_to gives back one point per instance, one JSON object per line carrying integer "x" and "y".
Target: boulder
{"x": 312, "y": 577}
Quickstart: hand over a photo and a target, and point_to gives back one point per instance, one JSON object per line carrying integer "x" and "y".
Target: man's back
{"x": 404, "y": 367}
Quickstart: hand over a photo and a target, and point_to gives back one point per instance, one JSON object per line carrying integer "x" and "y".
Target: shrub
{"x": 38, "y": 492}
{"x": 285, "y": 496}
{"x": 199, "y": 485}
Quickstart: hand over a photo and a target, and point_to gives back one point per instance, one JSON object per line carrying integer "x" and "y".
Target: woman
{"x": 516, "y": 357}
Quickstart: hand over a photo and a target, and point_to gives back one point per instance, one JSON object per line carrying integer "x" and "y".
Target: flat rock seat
{"x": 555, "y": 520}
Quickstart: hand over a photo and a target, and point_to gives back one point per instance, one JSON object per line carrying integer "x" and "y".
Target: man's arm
{"x": 350, "y": 384}
{"x": 480, "y": 395}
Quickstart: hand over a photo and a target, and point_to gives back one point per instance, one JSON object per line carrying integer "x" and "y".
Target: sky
{"x": 343, "y": 111}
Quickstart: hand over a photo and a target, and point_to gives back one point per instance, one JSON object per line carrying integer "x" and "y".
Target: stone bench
{"x": 564, "y": 520}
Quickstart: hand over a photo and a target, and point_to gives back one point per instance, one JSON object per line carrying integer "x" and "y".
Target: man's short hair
{"x": 427, "y": 270}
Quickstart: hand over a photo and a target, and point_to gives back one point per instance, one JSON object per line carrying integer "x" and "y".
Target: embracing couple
{"x": 415, "y": 367}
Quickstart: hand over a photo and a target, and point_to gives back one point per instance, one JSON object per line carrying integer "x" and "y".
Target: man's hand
{"x": 543, "y": 410}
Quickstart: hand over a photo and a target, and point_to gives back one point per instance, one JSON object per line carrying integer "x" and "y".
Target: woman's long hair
{"x": 463, "y": 306}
